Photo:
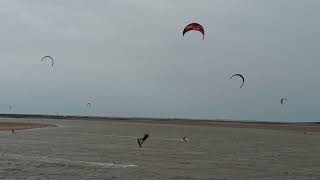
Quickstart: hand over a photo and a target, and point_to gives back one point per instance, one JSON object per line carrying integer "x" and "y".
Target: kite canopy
{"x": 48, "y": 57}
{"x": 283, "y": 99}
{"x": 194, "y": 27}
{"x": 240, "y": 77}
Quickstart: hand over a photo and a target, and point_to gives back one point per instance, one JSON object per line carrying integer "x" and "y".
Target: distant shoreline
{"x": 144, "y": 119}
{"x": 301, "y": 127}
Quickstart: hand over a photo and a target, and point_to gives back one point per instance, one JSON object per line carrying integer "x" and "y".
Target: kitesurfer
{"x": 185, "y": 139}
{"x": 141, "y": 140}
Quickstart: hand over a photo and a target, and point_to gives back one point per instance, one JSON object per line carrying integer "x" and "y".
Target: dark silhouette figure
{"x": 141, "y": 140}
{"x": 185, "y": 139}
{"x": 12, "y": 131}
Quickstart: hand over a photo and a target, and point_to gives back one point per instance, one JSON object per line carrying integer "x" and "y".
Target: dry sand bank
{"x": 297, "y": 127}
{"x": 6, "y": 126}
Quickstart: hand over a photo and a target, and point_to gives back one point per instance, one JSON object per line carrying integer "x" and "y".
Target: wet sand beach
{"x": 107, "y": 149}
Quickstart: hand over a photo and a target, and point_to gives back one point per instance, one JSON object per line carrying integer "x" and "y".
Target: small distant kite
{"x": 240, "y": 77}
{"x": 48, "y": 57}
{"x": 194, "y": 27}
{"x": 283, "y": 99}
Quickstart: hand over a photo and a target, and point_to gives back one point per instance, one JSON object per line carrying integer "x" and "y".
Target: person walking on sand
{"x": 141, "y": 140}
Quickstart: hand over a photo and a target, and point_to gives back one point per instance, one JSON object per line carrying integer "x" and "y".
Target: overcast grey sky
{"x": 128, "y": 58}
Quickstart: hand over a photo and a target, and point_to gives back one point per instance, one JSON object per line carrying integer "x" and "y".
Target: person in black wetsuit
{"x": 185, "y": 139}
{"x": 12, "y": 131}
{"x": 141, "y": 140}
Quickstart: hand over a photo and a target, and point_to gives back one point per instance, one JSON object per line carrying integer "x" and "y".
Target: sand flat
{"x": 87, "y": 149}
{"x": 6, "y": 126}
